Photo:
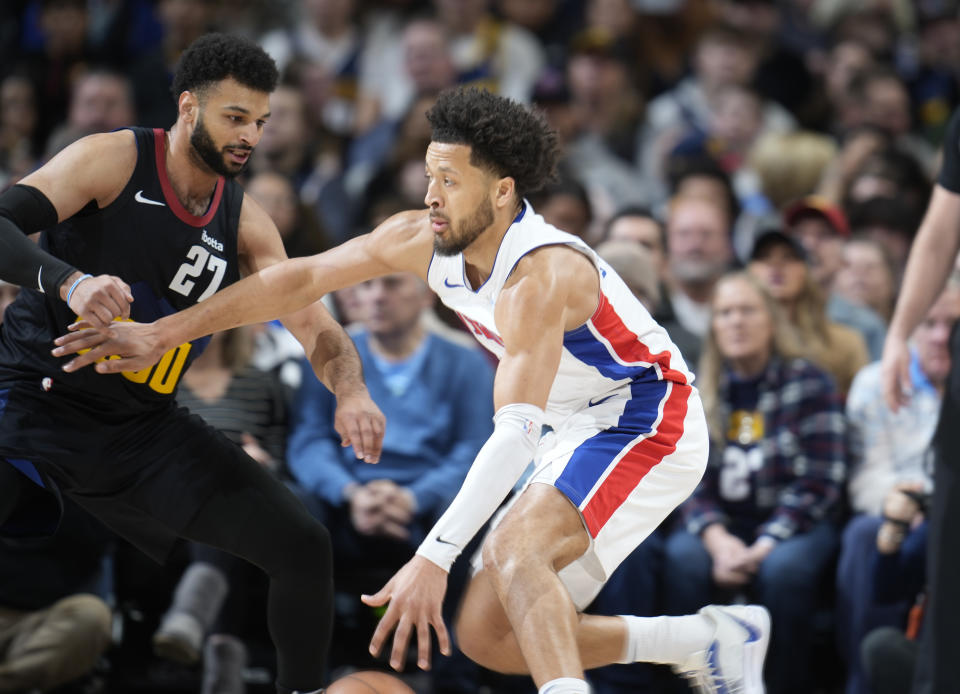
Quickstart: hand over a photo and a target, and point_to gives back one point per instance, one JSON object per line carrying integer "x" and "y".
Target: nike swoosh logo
{"x": 594, "y": 403}
{"x": 446, "y": 283}
{"x": 753, "y": 634}
{"x": 147, "y": 201}
{"x": 39, "y": 283}
{"x": 446, "y": 542}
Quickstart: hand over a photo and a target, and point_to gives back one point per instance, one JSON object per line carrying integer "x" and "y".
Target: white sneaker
{"x": 179, "y": 638}
{"x": 733, "y": 662}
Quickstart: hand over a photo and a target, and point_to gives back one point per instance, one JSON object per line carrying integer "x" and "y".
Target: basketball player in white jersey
{"x": 577, "y": 352}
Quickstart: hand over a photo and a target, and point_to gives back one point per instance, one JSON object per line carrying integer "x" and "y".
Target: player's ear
{"x": 506, "y": 190}
{"x": 188, "y": 106}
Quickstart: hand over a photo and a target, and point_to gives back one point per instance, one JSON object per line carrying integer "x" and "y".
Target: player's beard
{"x": 205, "y": 148}
{"x": 466, "y": 232}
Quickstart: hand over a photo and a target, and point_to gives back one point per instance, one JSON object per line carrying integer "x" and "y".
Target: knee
{"x": 503, "y": 563}
{"x": 482, "y": 643}
{"x": 788, "y": 577}
{"x": 860, "y": 531}
{"x": 305, "y": 549}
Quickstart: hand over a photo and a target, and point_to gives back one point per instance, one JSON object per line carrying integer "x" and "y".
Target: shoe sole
{"x": 755, "y": 652}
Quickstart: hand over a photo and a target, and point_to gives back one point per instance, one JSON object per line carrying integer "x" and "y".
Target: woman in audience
{"x": 779, "y": 263}
{"x": 761, "y": 523}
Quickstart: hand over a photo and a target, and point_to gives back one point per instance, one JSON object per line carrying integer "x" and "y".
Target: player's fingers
{"x": 443, "y": 638}
{"x": 906, "y": 384}
{"x": 85, "y": 359}
{"x": 378, "y": 425}
{"x": 114, "y": 304}
{"x": 80, "y": 325}
{"x": 124, "y": 288}
{"x": 381, "y": 597}
{"x": 368, "y": 441}
{"x": 423, "y": 644}
{"x": 71, "y": 342}
{"x": 380, "y": 634}
{"x": 117, "y": 300}
{"x": 401, "y": 638}
{"x": 115, "y": 364}
{"x": 98, "y": 316}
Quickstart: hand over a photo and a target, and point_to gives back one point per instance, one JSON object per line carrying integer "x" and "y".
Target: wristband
{"x": 73, "y": 286}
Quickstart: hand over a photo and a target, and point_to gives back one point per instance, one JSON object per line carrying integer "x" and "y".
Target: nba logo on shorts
{"x": 46, "y": 384}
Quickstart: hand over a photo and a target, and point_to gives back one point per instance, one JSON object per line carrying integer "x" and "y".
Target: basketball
{"x": 369, "y": 682}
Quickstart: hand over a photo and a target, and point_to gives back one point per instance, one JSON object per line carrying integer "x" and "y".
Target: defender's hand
{"x": 895, "y": 372}
{"x": 360, "y": 424}
{"x": 98, "y": 299}
{"x": 415, "y": 594}
{"x": 124, "y": 346}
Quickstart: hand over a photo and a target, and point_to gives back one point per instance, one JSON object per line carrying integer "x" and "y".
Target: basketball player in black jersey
{"x": 161, "y": 211}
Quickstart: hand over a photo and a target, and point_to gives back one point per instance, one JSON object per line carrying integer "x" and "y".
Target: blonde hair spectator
{"x": 790, "y": 165}
{"x": 783, "y": 343}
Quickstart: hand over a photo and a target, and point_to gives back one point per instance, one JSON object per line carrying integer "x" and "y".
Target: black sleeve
{"x": 25, "y": 210}
{"x": 950, "y": 172}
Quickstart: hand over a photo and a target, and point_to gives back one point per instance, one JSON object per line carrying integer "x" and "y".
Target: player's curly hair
{"x": 214, "y": 57}
{"x": 504, "y": 137}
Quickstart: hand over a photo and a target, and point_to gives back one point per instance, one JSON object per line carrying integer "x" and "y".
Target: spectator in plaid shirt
{"x": 762, "y": 521}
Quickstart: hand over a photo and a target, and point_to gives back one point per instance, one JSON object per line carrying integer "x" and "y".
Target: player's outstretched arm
{"x": 928, "y": 267}
{"x": 75, "y": 177}
{"x": 402, "y": 243}
{"x": 330, "y": 350}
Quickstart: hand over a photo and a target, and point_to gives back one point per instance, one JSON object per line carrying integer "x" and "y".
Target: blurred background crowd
{"x": 754, "y": 169}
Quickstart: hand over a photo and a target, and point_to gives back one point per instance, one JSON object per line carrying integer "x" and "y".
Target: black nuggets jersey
{"x": 170, "y": 258}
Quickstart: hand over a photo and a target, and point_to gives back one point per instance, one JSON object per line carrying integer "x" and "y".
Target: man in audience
{"x": 888, "y": 449}
{"x": 699, "y": 252}
{"x": 438, "y": 396}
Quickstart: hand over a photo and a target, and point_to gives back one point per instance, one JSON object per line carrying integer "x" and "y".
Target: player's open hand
{"x": 895, "y": 372}
{"x": 98, "y": 300}
{"x": 360, "y": 424}
{"x": 415, "y": 596}
{"x": 120, "y": 346}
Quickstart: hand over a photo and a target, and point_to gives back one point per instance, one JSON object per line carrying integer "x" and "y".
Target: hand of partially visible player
{"x": 415, "y": 596}
{"x": 136, "y": 344}
{"x": 895, "y": 372}
{"x": 99, "y": 299}
{"x": 360, "y": 424}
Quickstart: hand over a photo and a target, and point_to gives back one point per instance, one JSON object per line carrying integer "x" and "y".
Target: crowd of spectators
{"x": 754, "y": 169}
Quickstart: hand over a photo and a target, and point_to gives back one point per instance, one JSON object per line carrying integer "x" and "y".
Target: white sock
{"x": 565, "y": 685}
{"x": 666, "y": 640}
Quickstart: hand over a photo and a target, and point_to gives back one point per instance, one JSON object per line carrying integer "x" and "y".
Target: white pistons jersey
{"x": 621, "y": 345}
{"x": 629, "y": 440}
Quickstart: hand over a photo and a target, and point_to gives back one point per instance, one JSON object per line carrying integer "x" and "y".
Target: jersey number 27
{"x": 199, "y": 257}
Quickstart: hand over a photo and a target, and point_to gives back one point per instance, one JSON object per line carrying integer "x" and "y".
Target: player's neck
{"x": 193, "y": 184}
{"x": 480, "y": 256}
